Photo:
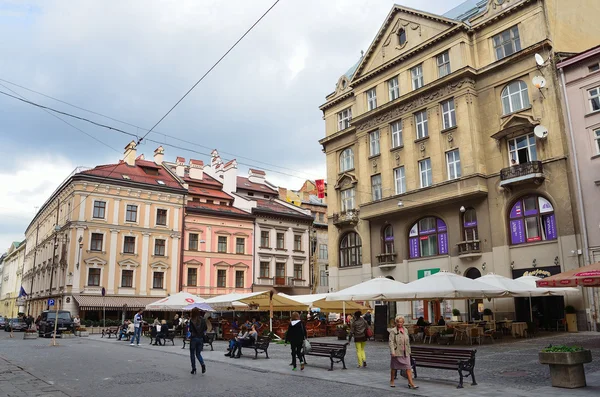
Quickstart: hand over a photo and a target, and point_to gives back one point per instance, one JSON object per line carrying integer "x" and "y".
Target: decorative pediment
{"x": 240, "y": 234}
{"x": 495, "y": 7}
{"x": 221, "y": 264}
{"x": 94, "y": 261}
{"x": 516, "y": 124}
{"x": 159, "y": 265}
{"x": 343, "y": 85}
{"x": 240, "y": 265}
{"x": 193, "y": 262}
{"x": 223, "y": 232}
{"x": 128, "y": 263}
{"x": 345, "y": 181}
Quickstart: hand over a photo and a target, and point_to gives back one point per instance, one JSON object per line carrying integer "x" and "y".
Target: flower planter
{"x": 66, "y": 336}
{"x": 30, "y": 335}
{"x": 566, "y": 369}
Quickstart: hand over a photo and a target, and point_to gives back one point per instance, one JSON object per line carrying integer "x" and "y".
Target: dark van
{"x": 46, "y": 327}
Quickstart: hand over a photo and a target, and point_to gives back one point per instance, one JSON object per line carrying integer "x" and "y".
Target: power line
{"x": 208, "y": 71}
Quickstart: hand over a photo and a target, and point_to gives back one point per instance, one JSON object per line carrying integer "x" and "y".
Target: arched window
{"x": 388, "y": 240}
{"x": 346, "y": 160}
{"x": 428, "y": 237}
{"x": 470, "y": 225}
{"x": 515, "y": 97}
{"x": 401, "y": 36}
{"x": 532, "y": 219}
{"x": 350, "y": 250}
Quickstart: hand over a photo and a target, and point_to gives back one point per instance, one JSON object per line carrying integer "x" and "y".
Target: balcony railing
{"x": 349, "y": 217}
{"x": 469, "y": 248}
{"x": 522, "y": 172}
{"x": 264, "y": 281}
{"x": 386, "y": 259}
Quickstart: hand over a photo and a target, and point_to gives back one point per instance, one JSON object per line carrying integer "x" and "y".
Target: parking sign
{"x": 50, "y": 302}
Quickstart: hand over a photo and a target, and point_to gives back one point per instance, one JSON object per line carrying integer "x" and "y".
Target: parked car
{"x": 2, "y": 322}
{"x": 17, "y": 324}
{"x": 46, "y": 327}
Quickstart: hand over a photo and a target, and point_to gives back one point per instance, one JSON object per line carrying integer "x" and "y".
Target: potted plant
{"x": 342, "y": 331}
{"x": 66, "y": 335}
{"x": 571, "y": 317}
{"x": 566, "y": 365}
{"x": 446, "y": 336}
{"x": 455, "y": 315}
{"x": 30, "y": 334}
{"x": 82, "y": 331}
{"x": 487, "y": 314}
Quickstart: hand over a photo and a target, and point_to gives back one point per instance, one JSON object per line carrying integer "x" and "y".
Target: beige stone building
{"x": 115, "y": 227}
{"x": 432, "y": 159}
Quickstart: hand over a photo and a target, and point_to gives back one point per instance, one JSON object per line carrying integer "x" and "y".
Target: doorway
{"x": 475, "y": 306}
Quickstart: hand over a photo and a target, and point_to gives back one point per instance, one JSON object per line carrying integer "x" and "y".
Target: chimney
{"x": 159, "y": 154}
{"x": 196, "y": 169}
{"x": 256, "y": 176}
{"x": 180, "y": 168}
{"x": 130, "y": 153}
{"x": 230, "y": 176}
{"x": 282, "y": 193}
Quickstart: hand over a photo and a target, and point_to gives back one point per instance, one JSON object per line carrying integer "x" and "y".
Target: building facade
{"x": 115, "y": 229}
{"x": 432, "y": 159}
{"x": 12, "y": 270}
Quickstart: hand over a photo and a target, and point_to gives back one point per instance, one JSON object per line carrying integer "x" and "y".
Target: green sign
{"x": 426, "y": 272}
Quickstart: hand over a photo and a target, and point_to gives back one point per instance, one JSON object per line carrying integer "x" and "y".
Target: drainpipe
{"x": 182, "y": 248}
{"x": 586, "y": 256}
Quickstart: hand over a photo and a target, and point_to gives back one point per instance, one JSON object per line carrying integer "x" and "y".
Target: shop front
{"x": 546, "y": 310}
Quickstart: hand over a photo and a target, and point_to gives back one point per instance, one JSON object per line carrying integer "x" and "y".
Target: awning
{"x": 95, "y": 302}
{"x": 588, "y": 276}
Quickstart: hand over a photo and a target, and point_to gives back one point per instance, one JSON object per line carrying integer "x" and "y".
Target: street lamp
{"x": 80, "y": 240}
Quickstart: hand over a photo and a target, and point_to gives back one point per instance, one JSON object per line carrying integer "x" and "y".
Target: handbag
{"x": 369, "y": 332}
{"x": 306, "y": 346}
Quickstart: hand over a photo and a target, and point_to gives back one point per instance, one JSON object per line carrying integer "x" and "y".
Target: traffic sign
{"x": 50, "y": 302}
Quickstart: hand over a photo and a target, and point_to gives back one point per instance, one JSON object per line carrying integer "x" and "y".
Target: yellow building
{"x": 12, "y": 270}
{"x": 438, "y": 156}
{"x": 115, "y": 228}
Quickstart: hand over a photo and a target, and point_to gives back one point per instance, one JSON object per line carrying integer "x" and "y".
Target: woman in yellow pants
{"x": 358, "y": 330}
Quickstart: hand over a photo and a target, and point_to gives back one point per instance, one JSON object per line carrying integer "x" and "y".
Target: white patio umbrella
{"x": 174, "y": 302}
{"x": 320, "y": 301}
{"x": 446, "y": 285}
{"x": 376, "y": 289}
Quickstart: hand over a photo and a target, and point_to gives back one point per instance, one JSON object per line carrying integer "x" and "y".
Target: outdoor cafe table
{"x": 437, "y": 328}
{"x": 518, "y": 329}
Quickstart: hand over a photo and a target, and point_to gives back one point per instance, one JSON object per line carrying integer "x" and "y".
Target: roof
{"x": 466, "y": 10}
{"x": 245, "y": 184}
{"x": 124, "y": 172}
{"x": 259, "y": 172}
{"x": 97, "y": 301}
{"x": 274, "y": 207}
{"x": 220, "y": 209}
{"x": 350, "y": 73}
{"x": 206, "y": 179}
{"x": 204, "y": 191}
{"x": 579, "y": 57}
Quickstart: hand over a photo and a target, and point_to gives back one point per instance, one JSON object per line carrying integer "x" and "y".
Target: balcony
{"x": 386, "y": 260}
{"x": 469, "y": 249}
{"x": 532, "y": 171}
{"x": 264, "y": 281}
{"x": 345, "y": 218}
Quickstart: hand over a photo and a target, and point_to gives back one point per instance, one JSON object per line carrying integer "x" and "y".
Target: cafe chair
{"x": 475, "y": 334}
{"x": 561, "y": 324}
{"x": 428, "y": 334}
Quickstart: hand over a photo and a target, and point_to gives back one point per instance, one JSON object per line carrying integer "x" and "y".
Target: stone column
{"x": 112, "y": 261}
{"x": 174, "y": 263}
{"x": 144, "y": 264}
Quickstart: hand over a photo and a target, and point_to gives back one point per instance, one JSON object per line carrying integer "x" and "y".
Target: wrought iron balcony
{"x": 386, "y": 260}
{"x": 469, "y": 249}
{"x": 521, "y": 173}
{"x": 349, "y": 217}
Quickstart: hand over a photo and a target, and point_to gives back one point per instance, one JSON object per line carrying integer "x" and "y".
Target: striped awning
{"x": 95, "y": 302}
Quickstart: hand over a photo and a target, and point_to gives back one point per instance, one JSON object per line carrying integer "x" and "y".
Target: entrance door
{"x": 475, "y": 305}
{"x": 280, "y": 274}
{"x": 432, "y": 311}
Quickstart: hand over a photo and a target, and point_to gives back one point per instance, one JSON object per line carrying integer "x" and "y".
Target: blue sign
{"x": 50, "y": 302}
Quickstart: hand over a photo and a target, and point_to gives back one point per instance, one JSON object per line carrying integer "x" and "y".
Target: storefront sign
{"x": 470, "y": 224}
{"x": 441, "y": 225}
{"x": 443, "y": 243}
{"x": 413, "y": 243}
{"x": 541, "y": 272}
{"x": 426, "y": 272}
{"x": 517, "y": 234}
{"x": 544, "y": 205}
{"x": 550, "y": 226}
{"x": 516, "y": 210}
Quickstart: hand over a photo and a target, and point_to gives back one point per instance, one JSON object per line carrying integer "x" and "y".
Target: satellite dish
{"x": 539, "y": 60}
{"x": 539, "y": 82}
{"x": 540, "y": 131}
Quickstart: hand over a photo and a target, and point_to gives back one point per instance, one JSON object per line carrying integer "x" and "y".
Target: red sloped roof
{"x": 222, "y": 209}
{"x": 134, "y": 173}
{"x": 276, "y": 207}
{"x": 206, "y": 180}
{"x": 204, "y": 191}
{"x": 244, "y": 183}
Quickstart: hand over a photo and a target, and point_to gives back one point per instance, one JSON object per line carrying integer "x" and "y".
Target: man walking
{"x": 137, "y": 324}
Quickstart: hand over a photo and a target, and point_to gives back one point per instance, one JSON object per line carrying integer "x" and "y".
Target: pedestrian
{"x": 358, "y": 330}
{"x": 400, "y": 351}
{"x": 295, "y": 336}
{"x": 137, "y": 324}
{"x": 197, "y": 330}
{"x": 76, "y": 323}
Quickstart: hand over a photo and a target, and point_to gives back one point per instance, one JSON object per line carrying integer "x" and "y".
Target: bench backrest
{"x": 263, "y": 341}
{"x": 318, "y": 347}
{"x": 441, "y": 355}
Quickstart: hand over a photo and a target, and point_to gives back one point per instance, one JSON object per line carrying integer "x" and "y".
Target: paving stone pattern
{"x": 15, "y": 381}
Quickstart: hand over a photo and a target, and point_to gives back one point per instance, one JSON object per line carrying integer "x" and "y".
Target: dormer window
{"x": 401, "y": 36}
{"x": 160, "y": 182}
{"x": 126, "y": 177}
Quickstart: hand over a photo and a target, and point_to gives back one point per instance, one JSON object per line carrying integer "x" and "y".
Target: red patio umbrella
{"x": 587, "y": 276}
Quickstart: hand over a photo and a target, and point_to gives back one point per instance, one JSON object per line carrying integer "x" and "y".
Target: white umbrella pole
{"x": 344, "y": 310}
{"x": 530, "y": 310}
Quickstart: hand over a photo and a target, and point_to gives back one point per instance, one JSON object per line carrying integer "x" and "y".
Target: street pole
{"x": 55, "y": 323}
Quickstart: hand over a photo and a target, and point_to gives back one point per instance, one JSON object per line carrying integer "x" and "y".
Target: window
{"x": 193, "y": 243}
{"x": 443, "y": 64}
{"x": 594, "y": 98}
{"x": 397, "y": 134}
{"x": 401, "y": 36}
{"x": 346, "y": 160}
{"x": 344, "y": 118}
{"x": 470, "y": 225}
{"x": 222, "y": 244}
{"x": 131, "y": 213}
{"x": 221, "y": 278}
{"x": 597, "y": 139}
{"x": 192, "y": 277}
{"x": 97, "y": 239}
{"x": 374, "y": 143}
{"x": 323, "y": 251}
{"x": 522, "y": 149}
{"x": 280, "y": 273}
{"x": 448, "y": 114}
{"x": 240, "y": 245}
{"x": 347, "y": 199}
{"x": 594, "y": 68}
{"x": 372, "y": 99}
{"x": 350, "y": 250}
{"x": 161, "y": 217}
{"x": 532, "y": 219}
{"x": 158, "y": 279}
{"x": 298, "y": 271}
{"x": 239, "y": 279}
{"x": 425, "y": 172}
{"x": 507, "y": 42}
{"x": 129, "y": 245}
{"x": 393, "y": 88}
{"x": 281, "y": 241}
{"x": 264, "y": 239}
{"x": 324, "y": 279}
{"x": 297, "y": 242}
{"x": 388, "y": 240}
{"x": 515, "y": 97}
{"x": 376, "y": 186}
{"x": 421, "y": 123}
{"x": 99, "y": 209}
{"x": 453, "y": 161}
{"x": 127, "y": 278}
{"x": 159, "y": 247}
{"x": 94, "y": 277}
{"x": 417, "y": 77}
{"x": 264, "y": 269}
{"x": 399, "y": 180}
{"x": 428, "y": 237}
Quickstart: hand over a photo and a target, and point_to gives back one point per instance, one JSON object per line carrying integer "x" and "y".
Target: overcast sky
{"x": 132, "y": 60}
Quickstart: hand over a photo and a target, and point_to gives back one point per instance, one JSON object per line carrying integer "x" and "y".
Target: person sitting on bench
{"x": 163, "y": 333}
{"x": 239, "y": 341}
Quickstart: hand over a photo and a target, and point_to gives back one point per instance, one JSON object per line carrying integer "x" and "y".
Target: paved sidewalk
{"x": 15, "y": 381}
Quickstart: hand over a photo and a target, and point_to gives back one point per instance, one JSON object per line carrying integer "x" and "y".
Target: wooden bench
{"x": 461, "y": 360}
{"x": 110, "y": 331}
{"x": 262, "y": 344}
{"x": 335, "y": 351}
{"x": 170, "y": 336}
{"x": 209, "y": 338}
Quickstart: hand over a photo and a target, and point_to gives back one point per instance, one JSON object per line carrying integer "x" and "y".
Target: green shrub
{"x": 455, "y": 312}
{"x": 570, "y": 309}
{"x": 487, "y": 312}
{"x": 561, "y": 349}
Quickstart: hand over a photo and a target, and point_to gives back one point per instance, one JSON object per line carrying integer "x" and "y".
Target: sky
{"x": 133, "y": 60}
